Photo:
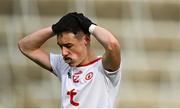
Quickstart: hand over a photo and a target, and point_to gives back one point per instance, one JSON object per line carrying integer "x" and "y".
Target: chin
{"x": 72, "y": 65}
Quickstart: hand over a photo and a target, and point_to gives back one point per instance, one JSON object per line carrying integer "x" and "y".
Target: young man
{"x": 87, "y": 80}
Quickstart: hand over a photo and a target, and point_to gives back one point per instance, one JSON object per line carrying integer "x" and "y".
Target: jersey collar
{"x": 92, "y": 62}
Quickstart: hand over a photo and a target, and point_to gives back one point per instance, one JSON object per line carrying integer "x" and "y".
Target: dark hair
{"x": 69, "y": 23}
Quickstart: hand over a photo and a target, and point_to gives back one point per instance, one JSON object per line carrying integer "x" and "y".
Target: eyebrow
{"x": 65, "y": 44}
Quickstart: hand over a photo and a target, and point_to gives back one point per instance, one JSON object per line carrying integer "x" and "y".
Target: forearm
{"x": 106, "y": 38}
{"x": 35, "y": 40}
{"x": 111, "y": 58}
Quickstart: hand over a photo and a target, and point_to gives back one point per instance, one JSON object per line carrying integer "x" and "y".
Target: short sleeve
{"x": 114, "y": 76}
{"x": 58, "y": 64}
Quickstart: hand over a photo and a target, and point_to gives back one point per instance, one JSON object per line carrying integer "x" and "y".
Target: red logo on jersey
{"x": 76, "y": 77}
{"x": 89, "y": 76}
{"x": 72, "y": 94}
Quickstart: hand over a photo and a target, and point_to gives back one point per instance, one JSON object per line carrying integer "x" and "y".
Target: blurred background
{"x": 149, "y": 33}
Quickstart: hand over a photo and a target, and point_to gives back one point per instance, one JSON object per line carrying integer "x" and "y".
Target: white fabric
{"x": 92, "y": 28}
{"x": 91, "y": 85}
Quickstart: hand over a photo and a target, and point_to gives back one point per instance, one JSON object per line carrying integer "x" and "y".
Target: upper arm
{"x": 112, "y": 56}
{"x": 39, "y": 56}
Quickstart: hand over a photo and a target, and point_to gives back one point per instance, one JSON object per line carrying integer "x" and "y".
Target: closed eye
{"x": 68, "y": 45}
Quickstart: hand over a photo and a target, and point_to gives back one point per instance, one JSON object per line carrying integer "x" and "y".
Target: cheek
{"x": 80, "y": 52}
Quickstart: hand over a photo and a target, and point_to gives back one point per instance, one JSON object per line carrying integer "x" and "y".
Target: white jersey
{"x": 87, "y": 86}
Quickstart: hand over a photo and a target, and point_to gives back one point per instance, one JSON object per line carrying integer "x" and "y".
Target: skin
{"x": 76, "y": 49}
{"x": 80, "y": 51}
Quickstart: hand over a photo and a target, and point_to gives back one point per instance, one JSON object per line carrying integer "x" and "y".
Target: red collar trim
{"x": 82, "y": 65}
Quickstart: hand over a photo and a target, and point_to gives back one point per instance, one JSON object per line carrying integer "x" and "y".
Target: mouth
{"x": 68, "y": 60}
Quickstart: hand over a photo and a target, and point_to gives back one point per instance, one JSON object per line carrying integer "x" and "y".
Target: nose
{"x": 64, "y": 51}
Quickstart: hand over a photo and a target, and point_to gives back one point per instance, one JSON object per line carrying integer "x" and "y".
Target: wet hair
{"x": 68, "y": 23}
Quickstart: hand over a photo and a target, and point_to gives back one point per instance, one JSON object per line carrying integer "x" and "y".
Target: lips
{"x": 67, "y": 60}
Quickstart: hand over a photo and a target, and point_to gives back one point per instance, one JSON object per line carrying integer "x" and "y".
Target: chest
{"x": 80, "y": 78}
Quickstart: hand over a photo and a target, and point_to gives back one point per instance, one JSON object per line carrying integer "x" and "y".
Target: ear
{"x": 87, "y": 40}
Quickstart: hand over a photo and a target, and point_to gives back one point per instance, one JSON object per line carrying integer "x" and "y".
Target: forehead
{"x": 66, "y": 37}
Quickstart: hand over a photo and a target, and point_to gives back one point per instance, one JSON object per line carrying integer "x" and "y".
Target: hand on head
{"x": 72, "y": 22}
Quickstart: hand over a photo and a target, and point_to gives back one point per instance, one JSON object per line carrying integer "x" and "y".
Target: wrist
{"x": 92, "y": 28}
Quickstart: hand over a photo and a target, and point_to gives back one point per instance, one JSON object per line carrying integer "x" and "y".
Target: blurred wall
{"x": 149, "y": 33}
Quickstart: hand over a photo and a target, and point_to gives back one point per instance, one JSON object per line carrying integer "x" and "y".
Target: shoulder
{"x": 57, "y": 63}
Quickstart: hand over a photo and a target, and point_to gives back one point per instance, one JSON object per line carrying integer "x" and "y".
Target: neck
{"x": 91, "y": 56}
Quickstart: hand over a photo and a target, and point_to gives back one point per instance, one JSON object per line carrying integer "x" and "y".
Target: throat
{"x": 89, "y": 60}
